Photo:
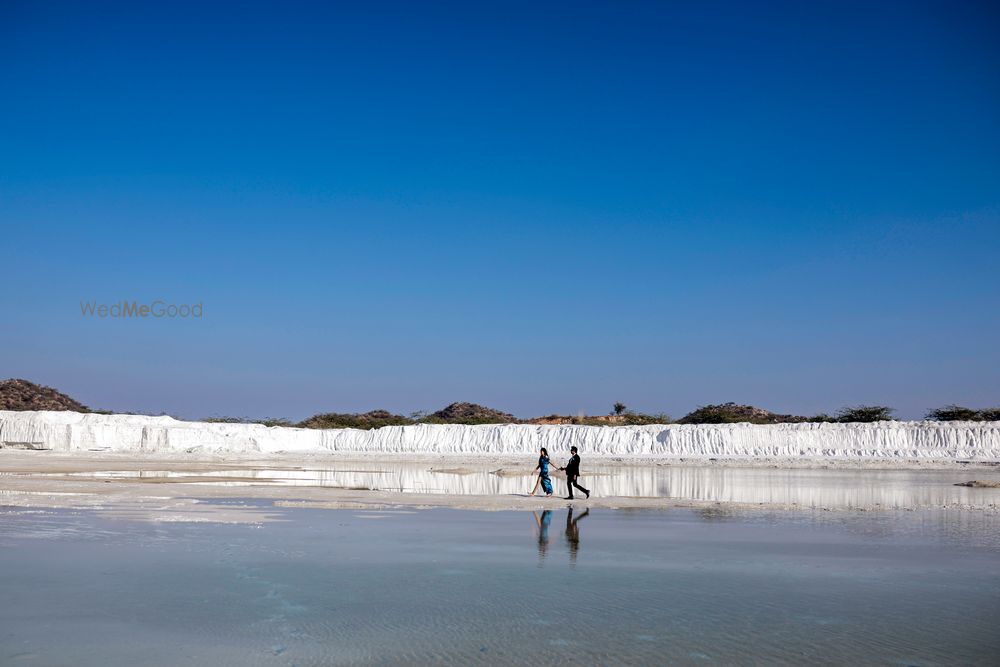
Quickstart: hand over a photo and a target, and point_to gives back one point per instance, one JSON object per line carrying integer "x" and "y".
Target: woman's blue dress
{"x": 543, "y": 465}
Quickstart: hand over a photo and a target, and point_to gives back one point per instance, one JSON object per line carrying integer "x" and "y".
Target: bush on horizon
{"x": 226, "y": 420}
{"x": 266, "y": 421}
{"x": 865, "y": 413}
{"x": 470, "y": 414}
{"x": 639, "y": 419}
{"x": 465, "y": 421}
{"x": 711, "y": 414}
{"x": 733, "y": 413}
{"x": 628, "y": 418}
{"x": 368, "y": 420}
{"x": 959, "y": 413}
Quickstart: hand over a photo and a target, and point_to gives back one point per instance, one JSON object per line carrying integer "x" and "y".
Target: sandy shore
{"x": 249, "y": 489}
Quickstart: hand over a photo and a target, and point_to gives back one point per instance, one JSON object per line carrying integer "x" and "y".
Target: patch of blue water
{"x": 456, "y": 587}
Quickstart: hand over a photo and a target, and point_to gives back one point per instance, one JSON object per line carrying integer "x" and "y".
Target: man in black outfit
{"x": 573, "y": 473}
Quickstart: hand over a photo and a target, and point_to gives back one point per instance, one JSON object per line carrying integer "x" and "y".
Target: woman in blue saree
{"x": 543, "y": 474}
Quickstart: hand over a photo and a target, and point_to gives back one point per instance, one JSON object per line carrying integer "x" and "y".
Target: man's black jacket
{"x": 573, "y": 467}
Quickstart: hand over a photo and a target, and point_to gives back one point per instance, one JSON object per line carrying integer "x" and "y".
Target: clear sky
{"x": 539, "y": 207}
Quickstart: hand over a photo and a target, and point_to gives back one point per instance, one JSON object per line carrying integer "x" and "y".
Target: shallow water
{"x": 829, "y": 488}
{"x": 457, "y": 587}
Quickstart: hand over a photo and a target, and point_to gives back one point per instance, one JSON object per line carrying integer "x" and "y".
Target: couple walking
{"x": 572, "y": 469}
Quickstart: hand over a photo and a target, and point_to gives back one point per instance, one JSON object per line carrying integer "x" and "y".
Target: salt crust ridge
{"x": 901, "y": 440}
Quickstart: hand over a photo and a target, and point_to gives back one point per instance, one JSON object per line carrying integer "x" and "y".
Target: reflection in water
{"x": 449, "y": 587}
{"x": 542, "y": 524}
{"x": 573, "y": 532}
{"x": 843, "y": 488}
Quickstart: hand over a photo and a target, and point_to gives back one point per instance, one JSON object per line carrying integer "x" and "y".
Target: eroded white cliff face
{"x": 924, "y": 440}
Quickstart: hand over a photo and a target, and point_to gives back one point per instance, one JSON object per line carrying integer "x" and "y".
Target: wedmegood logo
{"x": 128, "y": 309}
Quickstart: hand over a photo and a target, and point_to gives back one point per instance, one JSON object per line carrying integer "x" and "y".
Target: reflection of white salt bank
{"x": 924, "y": 440}
{"x": 839, "y": 488}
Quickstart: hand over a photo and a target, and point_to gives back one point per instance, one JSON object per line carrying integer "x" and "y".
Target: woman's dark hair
{"x": 544, "y": 452}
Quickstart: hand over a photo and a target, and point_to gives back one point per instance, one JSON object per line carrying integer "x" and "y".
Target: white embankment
{"x": 923, "y": 440}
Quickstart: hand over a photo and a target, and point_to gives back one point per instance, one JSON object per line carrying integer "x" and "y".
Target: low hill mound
{"x": 731, "y": 413}
{"x": 367, "y": 420}
{"x": 626, "y": 419}
{"x": 17, "y": 394}
{"x": 469, "y": 413}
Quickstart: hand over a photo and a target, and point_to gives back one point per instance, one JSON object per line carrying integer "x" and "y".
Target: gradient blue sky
{"x": 539, "y": 207}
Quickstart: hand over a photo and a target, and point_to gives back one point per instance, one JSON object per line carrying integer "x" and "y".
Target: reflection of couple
{"x": 572, "y": 532}
{"x": 572, "y": 469}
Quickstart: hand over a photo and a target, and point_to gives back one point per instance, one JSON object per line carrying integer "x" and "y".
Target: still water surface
{"x": 457, "y": 587}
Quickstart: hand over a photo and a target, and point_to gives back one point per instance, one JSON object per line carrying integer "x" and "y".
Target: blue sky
{"x": 539, "y": 207}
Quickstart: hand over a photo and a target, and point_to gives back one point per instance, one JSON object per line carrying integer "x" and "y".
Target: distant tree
{"x": 266, "y": 421}
{"x": 731, "y": 413}
{"x": 630, "y": 418}
{"x": 821, "y": 418}
{"x": 619, "y": 408}
{"x": 990, "y": 415}
{"x": 274, "y": 421}
{"x": 865, "y": 413}
{"x": 369, "y": 420}
{"x": 951, "y": 413}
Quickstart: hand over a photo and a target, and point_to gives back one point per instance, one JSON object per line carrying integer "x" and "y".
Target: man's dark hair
{"x": 573, "y": 449}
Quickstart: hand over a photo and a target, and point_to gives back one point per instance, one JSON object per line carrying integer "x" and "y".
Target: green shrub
{"x": 266, "y": 421}
{"x": 469, "y": 414}
{"x": 865, "y": 413}
{"x": 731, "y": 413}
{"x": 954, "y": 413}
{"x": 959, "y": 413}
{"x": 275, "y": 421}
{"x": 368, "y": 420}
{"x": 635, "y": 419}
{"x": 464, "y": 421}
{"x": 712, "y": 414}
